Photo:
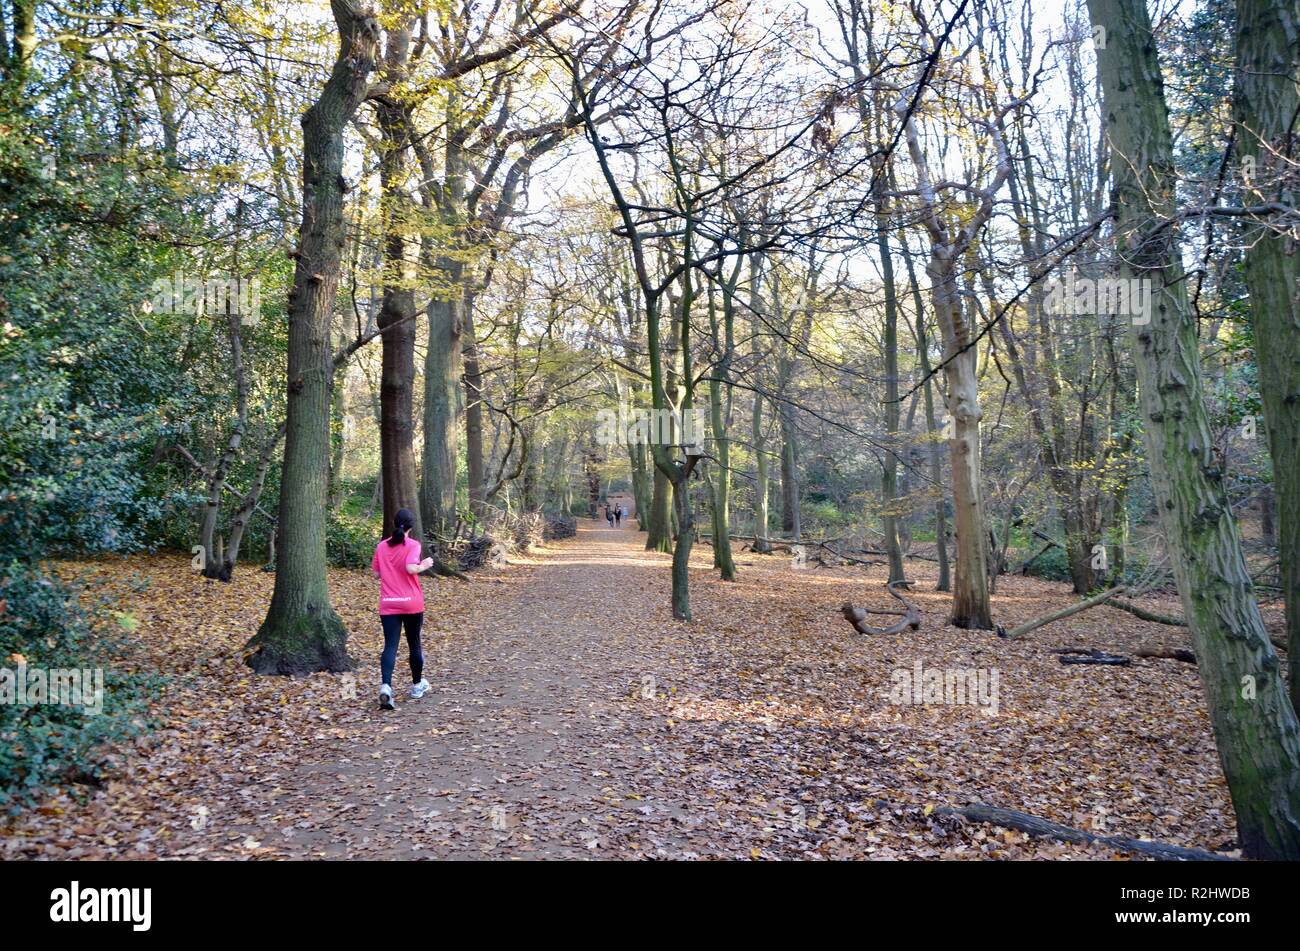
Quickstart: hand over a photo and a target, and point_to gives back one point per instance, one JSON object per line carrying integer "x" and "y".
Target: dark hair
{"x": 403, "y": 522}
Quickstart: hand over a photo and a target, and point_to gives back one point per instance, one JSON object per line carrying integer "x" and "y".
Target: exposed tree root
{"x": 910, "y": 617}
{"x": 1044, "y": 828}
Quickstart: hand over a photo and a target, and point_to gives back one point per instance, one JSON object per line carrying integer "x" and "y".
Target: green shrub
{"x": 1051, "y": 565}
{"x": 43, "y": 745}
{"x": 824, "y": 517}
{"x": 83, "y": 375}
{"x": 350, "y": 540}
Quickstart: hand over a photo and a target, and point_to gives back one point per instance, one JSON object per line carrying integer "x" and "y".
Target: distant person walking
{"x": 397, "y": 565}
{"x": 609, "y": 515}
{"x": 618, "y": 515}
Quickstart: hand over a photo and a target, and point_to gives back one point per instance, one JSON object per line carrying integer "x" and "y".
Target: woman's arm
{"x": 416, "y": 568}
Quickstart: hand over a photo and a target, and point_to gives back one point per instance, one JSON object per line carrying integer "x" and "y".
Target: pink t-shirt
{"x": 399, "y": 590}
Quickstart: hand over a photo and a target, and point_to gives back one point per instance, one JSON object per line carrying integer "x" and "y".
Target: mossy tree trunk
{"x": 1268, "y": 147}
{"x": 1255, "y": 726}
{"x": 659, "y": 536}
{"x": 444, "y": 196}
{"x": 301, "y": 632}
{"x": 397, "y": 309}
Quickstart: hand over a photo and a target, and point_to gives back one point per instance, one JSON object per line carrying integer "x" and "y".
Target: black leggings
{"x": 392, "y": 635}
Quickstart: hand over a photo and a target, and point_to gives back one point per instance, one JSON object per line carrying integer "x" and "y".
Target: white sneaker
{"x": 419, "y": 690}
{"x": 386, "y": 698}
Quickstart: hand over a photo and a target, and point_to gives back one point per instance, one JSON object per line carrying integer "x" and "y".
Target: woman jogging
{"x": 397, "y": 565}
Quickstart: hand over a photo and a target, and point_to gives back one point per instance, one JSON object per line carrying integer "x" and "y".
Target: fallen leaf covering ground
{"x": 571, "y": 716}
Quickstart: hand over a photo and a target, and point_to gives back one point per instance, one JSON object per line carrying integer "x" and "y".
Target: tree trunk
{"x": 301, "y": 632}
{"x": 641, "y": 479}
{"x": 682, "y": 546}
{"x": 1078, "y": 547}
{"x": 970, "y": 597}
{"x": 441, "y": 425}
{"x": 852, "y": 28}
{"x": 593, "y": 480}
{"x": 1254, "y": 724}
{"x": 247, "y": 506}
{"x": 214, "y": 562}
{"x": 931, "y": 428}
{"x": 787, "y": 370}
{"x": 720, "y": 420}
{"x": 758, "y": 435}
{"x": 761, "y": 488}
{"x": 1266, "y": 107}
{"x": 660, "y": 537}
{"x": 1268, "y": 525}
{"x": 889, "y": 477}
{"x": 19, "y": 62}
{"x": 339, "y": 437}
{"x": 396, "y": 312}
{"x": 949, "y": 242}
{"x": 532, "y": 479}
{"x": 442, "y": 358}
{"x": 475, "y": 466}
{"x": 791, "y": 520}
{"x": 722, "y": 558}
{"x": 397, "y": 427}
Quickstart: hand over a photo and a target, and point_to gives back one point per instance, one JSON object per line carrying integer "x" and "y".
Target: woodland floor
{"x": 770, "y": 734}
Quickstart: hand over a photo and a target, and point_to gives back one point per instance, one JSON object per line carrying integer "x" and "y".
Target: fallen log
{"x": 1156, "y": 653}
{"x": 1075, "y": 608}
{"x": 1163, "y": 653}
{"x": 906, "y": 554}
{"x": 910, "y": 617}
{"x": 1145, "y": 615}
{"x": 447, "y": 571}
{"x": 772, "y": 543}
{"x": 1078, "y": 656}
{"x": 1046, "y": 829}
{"x": 826, "y": 546}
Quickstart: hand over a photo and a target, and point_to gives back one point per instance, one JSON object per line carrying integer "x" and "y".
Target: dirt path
{"x": 571, "y": 716}
{"x": 530, "y": 741}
